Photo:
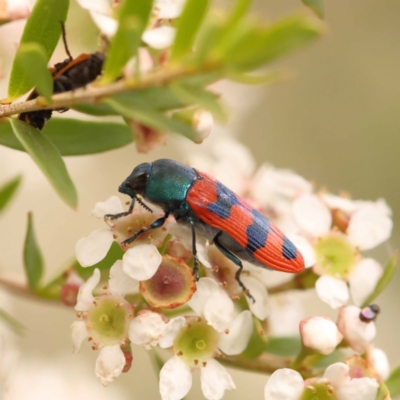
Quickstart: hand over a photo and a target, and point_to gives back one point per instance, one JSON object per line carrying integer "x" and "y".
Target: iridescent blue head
{"x": 136, "y": 182}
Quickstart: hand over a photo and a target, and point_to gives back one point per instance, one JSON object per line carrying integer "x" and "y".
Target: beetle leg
{"x": 194, "y": 250}
{"x": 154, "y": 225}
{"x": 236, "y": 260}
{"x": 122, "y": 214}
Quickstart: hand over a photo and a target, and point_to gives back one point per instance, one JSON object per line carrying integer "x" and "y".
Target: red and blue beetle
{"x": 212, "y": 210}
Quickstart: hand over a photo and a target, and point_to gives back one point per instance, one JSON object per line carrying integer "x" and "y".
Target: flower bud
{"x": 320, "y": 333}
{"x": 355, "y": 331}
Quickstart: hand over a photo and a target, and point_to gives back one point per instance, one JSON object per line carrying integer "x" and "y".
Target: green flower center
{"x": 335, "y": 256}
{"x": 108, "y": 320}
{"x": 196, "y": 343}
{"x": 318, "y": 391}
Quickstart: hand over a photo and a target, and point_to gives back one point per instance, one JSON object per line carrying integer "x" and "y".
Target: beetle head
{"x": 136, "y": 182}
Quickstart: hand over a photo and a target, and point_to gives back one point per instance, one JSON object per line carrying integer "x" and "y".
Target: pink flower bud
{"x": 320, "y": 333}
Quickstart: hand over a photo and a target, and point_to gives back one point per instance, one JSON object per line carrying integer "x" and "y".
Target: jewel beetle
{"x": 212, "y": 210}
{"x": 70, "y": 74}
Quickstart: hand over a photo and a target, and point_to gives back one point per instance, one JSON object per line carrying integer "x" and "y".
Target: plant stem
{"x": 266, "y": 363}
{"x": 94, "y": 93}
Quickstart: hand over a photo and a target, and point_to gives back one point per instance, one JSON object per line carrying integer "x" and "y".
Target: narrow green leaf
{"x": 43, "y": 27}
{"x": 32, "y": 60}
{"x": 317, "y": 6}
{"x": 48, "y": 159}
{"x": 284, "y": 346}
{"x": 133, "y": 17}
{"x": 129, "y": 107}
{"x": 204, "y": 98}
{"x": 8, "y": 190}
{"x": 239, "y": 11}
{"x": 393, "y": 382}
{"x": 115, "y": 253}
{"x": 97, "y": 110}
{"x": 74, "y": 137}
{"x": 32, "y": 257}
{"x": 383, "y": 392}
{"x": 13, "y": 323}
{"x": 387, "y": 276}
{"x": 260, "y": 78}
{"x": 251, "y": 46}
{"x": 188, "y": 25}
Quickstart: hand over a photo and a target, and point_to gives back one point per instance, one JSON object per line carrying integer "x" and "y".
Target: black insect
{"x": 70, "y": 74}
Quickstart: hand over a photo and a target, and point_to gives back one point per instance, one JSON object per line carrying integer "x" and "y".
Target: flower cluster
{"x": 212, "y": 322}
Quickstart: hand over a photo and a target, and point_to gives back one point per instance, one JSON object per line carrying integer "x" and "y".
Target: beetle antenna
{"x": 64, "y": 38}
{"x": 145, "y": 206}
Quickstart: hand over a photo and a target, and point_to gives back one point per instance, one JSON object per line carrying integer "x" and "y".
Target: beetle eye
{"x": 138, "y": 183}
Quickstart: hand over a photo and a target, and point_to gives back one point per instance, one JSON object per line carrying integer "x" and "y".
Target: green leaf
{"x": 43, "y": 27}
{"x": 383, "y": 392}
{"x": 74, "y": 137}
{"x": 133, "y": 17}
{"x": 130, "y": 107}
{"x": 257, "y": 343}
{"x": 188, "y": 25}
{"x": 284, "y": 346}
{"x": 48, "y": 159}
{"x": 260, "y": 78}
{"x": 393, "y": 382}
{"x": 198, "y": 95}
{"x": 33, "y": 62}
{"x": 239, "y": 11}
{"x": 8, "y": 190}
{"x": 387, "y": 276}
{"x": 97, "y": 110}
{"x": 14, "y": 324}
{"x": 115, "y": 253}
{"x": 32, "y": 257}
{"x": 251, "y": 46}
{"x": 317, "y": 6}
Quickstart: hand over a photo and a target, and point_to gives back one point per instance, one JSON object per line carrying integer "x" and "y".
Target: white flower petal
{"x": 202, "y": 252}
{"x": 79, "y": 334}
{"x": 363, "y": 279}
{"x": 357, "y": 333}
{"x": 107, "y": 25}
{"x": 171, "y": 331}
{"x": 320, "y": 334}
{"x": 109, "y": 363}
{"x": 85, "y": 296}
{"x": 270, "y": 184}
{"x": 141, "y": 262}
{"x": 168, "y": 9}
{"x": 146, "y": 329}
{"x": 120, "y": 283}
{"x": 377, "y": 358}
{"x": 100, "y": 6}
{"x": 175, "y": 379}
{"x": 312, "y": 215}
{"x": 112, "y": 205}
{"x": 305, "y": 248}
{"x": 260, "y": 308}
{"x": 218, "y": 310}
{"x": 337, "y": 374}
{"x": 240, "y": 330}
{"x": 332, "y": 291}
{"x": 369, "y": 226}
{"x": 284, "y": 384}
{"x": 159, "y": 38}
{"x": 339, "y": 203}
{"x": 203, "y": 123}
{"x": 94, "y": 248}
{"x": 215, "y": 380}
{"x": 205, "y": 287}
{"x": 358, "y": 389}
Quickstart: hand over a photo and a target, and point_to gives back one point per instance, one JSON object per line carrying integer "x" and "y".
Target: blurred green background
{"x": 336, "y": 122}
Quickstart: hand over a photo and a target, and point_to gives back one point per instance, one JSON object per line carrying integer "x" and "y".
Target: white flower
{"x": 287, "y": 384}
{"x": 347, "y": 388}
{"x": 159, "y": 38}
{"x": 356, "y": 332}
{"x": 97, "y": 312}
{"x": 336, "y": 254}
{"x": 11, "y": 10}
{"x": 320, "y": 333}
